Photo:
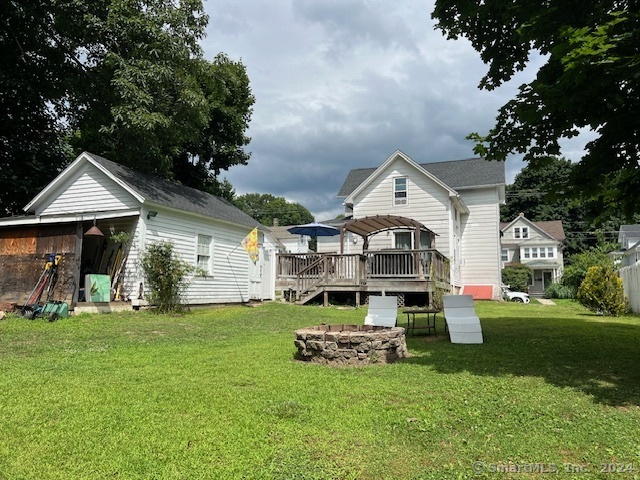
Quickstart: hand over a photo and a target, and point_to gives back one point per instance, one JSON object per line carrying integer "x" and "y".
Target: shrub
{"x": 517, "y": 276}
{"x": 166, "y": 276}
{"x": 558, "y": 290}
{"x": 602, "y": 291}
{"x": 576, "y": 271}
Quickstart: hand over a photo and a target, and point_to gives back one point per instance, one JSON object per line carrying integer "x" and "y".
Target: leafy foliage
{"x": 575, "y": 273}
{"x": 266, "y": 207}
{"x": 589, "y": 81}
{"x": 539, "y": 192}
{"x": 121, "y": 78}
{"x": 602, "y": 291}
{"x": 166, "y": 276}
{"x": 517, "y": 276}
{"x": 558, "y": 290}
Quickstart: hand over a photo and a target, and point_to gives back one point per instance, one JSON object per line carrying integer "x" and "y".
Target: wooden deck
{"x": 307, "y": 275}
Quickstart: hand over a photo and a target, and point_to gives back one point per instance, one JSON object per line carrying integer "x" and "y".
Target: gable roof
{"x": 457, "y": 174}
{"x": 553, "y": 228}
{"x": 150, "y": 188}
{"x": 175, "y": 195}
{"x": 627, "y": 231}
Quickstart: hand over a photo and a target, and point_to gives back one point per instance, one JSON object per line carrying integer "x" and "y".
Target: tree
{"x": 265, "y": 208}
{"x": 125, "y": 79}
{"x": 589, "y": 80}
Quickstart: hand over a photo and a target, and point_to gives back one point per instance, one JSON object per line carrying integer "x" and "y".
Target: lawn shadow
{"x": 590, "y": 354}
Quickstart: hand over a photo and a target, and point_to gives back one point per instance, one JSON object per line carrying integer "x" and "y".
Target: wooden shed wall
{"x": 24, "y": 251}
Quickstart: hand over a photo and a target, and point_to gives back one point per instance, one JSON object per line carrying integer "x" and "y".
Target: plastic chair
{"x": 383, "y": 311}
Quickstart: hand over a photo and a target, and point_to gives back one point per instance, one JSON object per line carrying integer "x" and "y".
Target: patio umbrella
{"x": 314, "y": 230}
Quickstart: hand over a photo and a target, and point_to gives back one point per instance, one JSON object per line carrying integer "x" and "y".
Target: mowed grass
{"x": 216, "y": 393}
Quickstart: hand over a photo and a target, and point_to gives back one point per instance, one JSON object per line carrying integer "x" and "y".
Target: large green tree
{"x": 265, "y": 207}
{"x": 121, "y": 78}
{"x": 589, "y": 81}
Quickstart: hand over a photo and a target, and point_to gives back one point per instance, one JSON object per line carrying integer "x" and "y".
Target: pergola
{"x": 369, "y": 226}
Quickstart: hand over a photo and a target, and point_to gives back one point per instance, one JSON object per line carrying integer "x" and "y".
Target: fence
{"x": 631, "y": 280}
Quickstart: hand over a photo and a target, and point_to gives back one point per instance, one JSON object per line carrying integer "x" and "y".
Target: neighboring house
{"x": 290, "y": 243}
{"x": 629, "y": 240}
{"x": 207, "y": 232}
{"x": 538, "y": 245}
{"x": 629, "y": 255}
{"x": 459, "y": 201}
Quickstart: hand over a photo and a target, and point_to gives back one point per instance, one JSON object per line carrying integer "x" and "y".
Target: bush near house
{"x": 166, "y": 276}
{"x": 517, "y": 276}
{"x": 602, "y": 292}
{"x": 559, "y": 290}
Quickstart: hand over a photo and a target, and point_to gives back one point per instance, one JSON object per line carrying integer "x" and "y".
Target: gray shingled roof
{"x": 171, "y": 194}
{"x": 458, "y": 174}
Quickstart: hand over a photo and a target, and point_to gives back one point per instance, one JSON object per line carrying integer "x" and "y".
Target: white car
{"x": 515, "y": 296}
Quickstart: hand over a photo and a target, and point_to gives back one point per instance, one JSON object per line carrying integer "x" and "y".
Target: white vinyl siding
{"x": 430, "y": 204}
{"x": 90, "y": 191}
{"x": 480, "y": 238}
{"x": 229, "y": 281}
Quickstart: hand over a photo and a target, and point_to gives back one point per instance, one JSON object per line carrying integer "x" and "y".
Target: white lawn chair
{"x": 383, "y": 311}
{"x": 462, "y": 321}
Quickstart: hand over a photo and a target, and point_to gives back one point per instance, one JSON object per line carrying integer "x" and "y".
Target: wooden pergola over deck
{"x": 400, "y": 271}
{"x": 368, "y": 226}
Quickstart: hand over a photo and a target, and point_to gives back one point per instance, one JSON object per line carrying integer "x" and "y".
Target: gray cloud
{"x": 342, "y": 84}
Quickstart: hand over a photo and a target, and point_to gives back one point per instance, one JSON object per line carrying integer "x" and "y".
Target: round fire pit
{"x": 350, "y": 344}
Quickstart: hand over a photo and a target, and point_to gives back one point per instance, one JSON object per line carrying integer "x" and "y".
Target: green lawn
{"x": 216, "y": 394}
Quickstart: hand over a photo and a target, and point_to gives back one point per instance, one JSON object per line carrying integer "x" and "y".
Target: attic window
{"x": 400, "y": 191}
{"x": 520, "y": 232}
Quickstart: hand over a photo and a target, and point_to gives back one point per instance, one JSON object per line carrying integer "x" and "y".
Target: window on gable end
{"x": 400, "y": 191}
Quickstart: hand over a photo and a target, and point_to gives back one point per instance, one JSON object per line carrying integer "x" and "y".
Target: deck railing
{"x": 306, "y": 269}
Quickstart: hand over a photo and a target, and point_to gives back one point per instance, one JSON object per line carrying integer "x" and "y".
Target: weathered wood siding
{"x": 24, "y": 252}
{"x": 90, "y": 191}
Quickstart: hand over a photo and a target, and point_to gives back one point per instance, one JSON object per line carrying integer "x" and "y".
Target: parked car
{"x": 512, "y": 296}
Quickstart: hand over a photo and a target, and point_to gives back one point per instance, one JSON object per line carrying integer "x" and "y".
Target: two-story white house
{"x": 458, "y": 201}
{"x": 538, "y": 245}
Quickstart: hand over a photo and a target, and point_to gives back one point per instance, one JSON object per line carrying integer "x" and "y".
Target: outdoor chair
{"x": 383, "y": 311}
{"x": 462, "y": 321}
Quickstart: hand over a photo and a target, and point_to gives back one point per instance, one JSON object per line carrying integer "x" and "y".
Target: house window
{"x": 400, "y": 191}
{"x": 504, "y": 255}
{"x": 520, "y": 232}
{"x": 526, "y": 253}
{"x": 551, "y": 252}
{"x": 534, "y": 253}
{"x": 543, "y": 252}
{"x": 403, "y": 240}
{"x": 203, "y": 261}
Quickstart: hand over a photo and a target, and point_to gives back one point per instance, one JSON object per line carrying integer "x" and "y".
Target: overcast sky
{"x": 342, "y": 84}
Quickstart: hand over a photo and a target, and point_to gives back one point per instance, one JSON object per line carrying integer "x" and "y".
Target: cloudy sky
{"x": 342, "y": 84}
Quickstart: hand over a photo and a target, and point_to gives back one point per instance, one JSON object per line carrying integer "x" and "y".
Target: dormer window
{"x": 520, "y": 232}
{"x": 400, "y": 191}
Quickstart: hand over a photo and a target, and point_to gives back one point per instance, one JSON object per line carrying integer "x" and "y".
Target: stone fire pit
{"x": 350, "y": 344}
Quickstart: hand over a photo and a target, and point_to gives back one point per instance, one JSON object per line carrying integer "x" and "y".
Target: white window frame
{"x": 521, "y": 232}
{"x": 204, "y": 250}
{"x": 400, "y": 197}
{"x": 526, "y": 253}
{"x": 504, "y": 255}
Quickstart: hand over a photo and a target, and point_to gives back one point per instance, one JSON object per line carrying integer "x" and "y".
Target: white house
{"x": 538, "y": 245}
{"x": 459, "y": 201}
{"x": 290, "y": 243}
{"x": 629, "y": 240}
{"x": 207, "y": 231}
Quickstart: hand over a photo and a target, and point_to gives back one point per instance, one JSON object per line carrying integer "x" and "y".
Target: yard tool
{"x": 47, "y": 281}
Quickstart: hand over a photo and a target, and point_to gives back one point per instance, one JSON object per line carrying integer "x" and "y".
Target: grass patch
{"x": 216, "y": 394}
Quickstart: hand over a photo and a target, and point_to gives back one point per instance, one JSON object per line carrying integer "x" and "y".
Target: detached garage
{"x": 97, "y": 215}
